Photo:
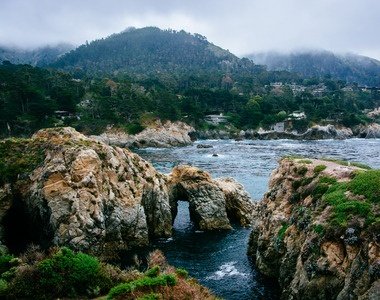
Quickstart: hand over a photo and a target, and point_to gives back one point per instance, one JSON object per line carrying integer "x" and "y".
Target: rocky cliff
{"x": 317, "y": 231}
{"x": 158, "y": 134}
{"x": 62, "y": 188}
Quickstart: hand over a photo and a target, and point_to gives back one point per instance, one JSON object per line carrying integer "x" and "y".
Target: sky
{"x": 241, "y": 26}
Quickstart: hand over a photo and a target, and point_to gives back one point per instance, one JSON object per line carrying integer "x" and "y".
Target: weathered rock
{"x": 212, "y": 203}
{"x": 293, "y": 240}
{"x": 88, "y": 195}
{"x": 207, "y": 203}
{"x": 239, "y": 205}
{"x": 371, "y": 131}
{"x": 318, "y": 132}
{"x": 159, "y": 134}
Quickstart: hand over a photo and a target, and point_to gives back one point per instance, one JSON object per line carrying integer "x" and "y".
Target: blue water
{"x": 218, "y": 259}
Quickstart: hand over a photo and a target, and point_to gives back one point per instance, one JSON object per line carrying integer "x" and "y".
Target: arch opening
{"x": 21, "y": 229}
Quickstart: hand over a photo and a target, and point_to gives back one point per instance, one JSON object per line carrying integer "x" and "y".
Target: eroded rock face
{"x": 91, "y": 196}
{"x": 294, "y": 240}
{"x": 95, "y": 193}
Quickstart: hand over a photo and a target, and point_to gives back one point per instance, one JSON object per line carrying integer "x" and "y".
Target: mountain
{"x": 348, "y": 67}
{"x": 151, "y": 50}
{"x": 37, "y": 57}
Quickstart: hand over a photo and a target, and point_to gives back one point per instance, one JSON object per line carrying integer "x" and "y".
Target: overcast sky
{"x": 242, "y": 26}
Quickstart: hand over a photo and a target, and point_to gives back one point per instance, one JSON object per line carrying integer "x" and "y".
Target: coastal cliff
{"x": 317, "y": 230}
{"x": 62, "y": 188}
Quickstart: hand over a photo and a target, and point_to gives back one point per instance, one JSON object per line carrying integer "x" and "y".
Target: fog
{"x": 242, "y": 26}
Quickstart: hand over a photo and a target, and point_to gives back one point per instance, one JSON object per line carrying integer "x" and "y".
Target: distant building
{"x": 216, "y": 119}
{"x": 297, "y": 115}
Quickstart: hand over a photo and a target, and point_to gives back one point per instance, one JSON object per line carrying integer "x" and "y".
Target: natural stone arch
{"x": 207, "y": 203}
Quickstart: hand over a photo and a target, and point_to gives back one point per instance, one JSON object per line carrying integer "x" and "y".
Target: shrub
{"x": 367, "y": 184}
{"x": 64, "y": 274}
{"x": 151, "y": 296}
{"x": 319, "y": 168}
{"x": 327, "y": 179}
{"x": 5, "y": 262}
{"x": 281, "y": 232}
{"x": 301, "y": 171}
{"x": 319, "y": 229}
{"x": 153, "y": 272}
{"x": 319, "y": 190}
{"x": 145, "y": 282}
{"x": 182, "y": 272}
{"x": 305, "y": 161}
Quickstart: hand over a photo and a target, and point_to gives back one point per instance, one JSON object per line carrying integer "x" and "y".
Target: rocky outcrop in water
{"x": 371, "y": 131}
{"x": 62, "y": 188}
{"x": 211, "y": 202}
{"x": 158, "y": 134}
{"x": 317, "y": 233}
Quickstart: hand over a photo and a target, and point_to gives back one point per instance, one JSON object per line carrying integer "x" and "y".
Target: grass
{"x": 347, "y": 163}
{"x": 367, "y": 184}
{"x": 281, "y": 232}
{"x": 347, "y": 208}
{"x": 319, "y": 168}
{"x": 143, "y": 283}
{"x": 305, "y": 161}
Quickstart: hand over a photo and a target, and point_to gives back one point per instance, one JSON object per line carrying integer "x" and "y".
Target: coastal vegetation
{"x": 61, "y": 272}
{"x": 137, "y": 85}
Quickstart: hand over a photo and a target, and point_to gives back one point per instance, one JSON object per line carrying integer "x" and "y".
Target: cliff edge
{"x": 317, "y": 230}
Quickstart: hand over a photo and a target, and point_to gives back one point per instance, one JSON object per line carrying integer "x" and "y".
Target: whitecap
{"x": 228, "y": 269}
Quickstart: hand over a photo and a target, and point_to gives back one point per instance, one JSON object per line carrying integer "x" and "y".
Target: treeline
{"x": 33, "y": 98}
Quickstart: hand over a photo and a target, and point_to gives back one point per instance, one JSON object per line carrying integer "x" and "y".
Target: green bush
{"x": 5, "y": 262}
{"x": 319, "y": 168}
{"x": 182, "y": 272}
{"x": 69, "y": 271}
{"x": 153, "y": 272}
{"x": 145, "y": 282}
{"x": 327, "y": 179}
{"x": 281, "y": 232}
{"x": 151, "y": 296}
{"x": 367, "y": 184}
{"x": 319, "y": 190}
{"x": 301, "y": 171}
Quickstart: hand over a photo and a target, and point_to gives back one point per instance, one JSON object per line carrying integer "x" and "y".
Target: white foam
{"x": 227, "y": 269}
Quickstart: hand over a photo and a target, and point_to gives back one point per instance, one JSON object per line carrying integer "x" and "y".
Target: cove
{"x": 218, "y": 259}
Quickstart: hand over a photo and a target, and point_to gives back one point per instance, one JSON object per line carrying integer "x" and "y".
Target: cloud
{"x": 242, "y": 26}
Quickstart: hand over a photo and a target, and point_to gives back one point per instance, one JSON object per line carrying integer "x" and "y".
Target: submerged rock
{"x": 80, "y": 192}
{"x": 308, "y": 235}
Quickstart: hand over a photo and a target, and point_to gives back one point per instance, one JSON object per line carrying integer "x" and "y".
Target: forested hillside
{"x": 36, "y": 57}
{"x": 132, "y": 78}
{"x": 350, "y": 67}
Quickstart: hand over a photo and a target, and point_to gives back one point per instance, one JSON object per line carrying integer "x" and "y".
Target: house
{"x": 216, "y": 119}
{"x": 297, "y": 115}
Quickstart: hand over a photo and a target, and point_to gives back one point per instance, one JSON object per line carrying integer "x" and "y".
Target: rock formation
{"x": 211, "y": 202}
{"x": 369, "y": 131}
{"x": 317, "y": 233}
{"x": 158, "y": 134}
{"x": 62, "y": 188}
